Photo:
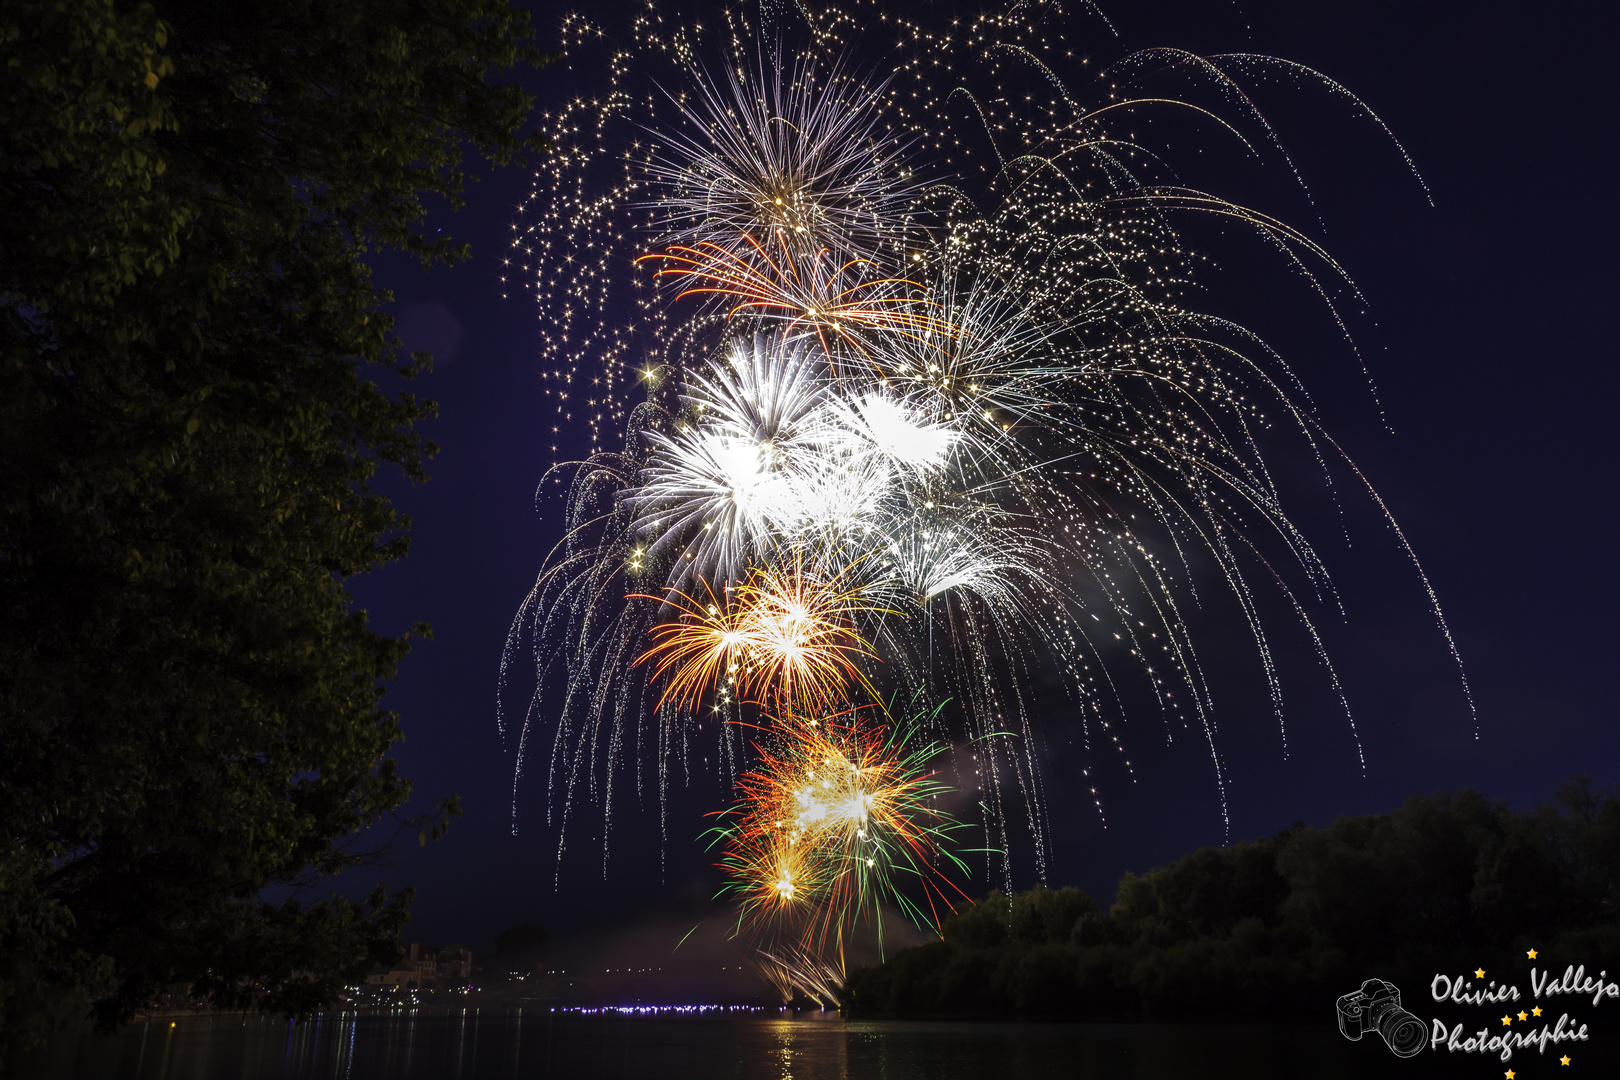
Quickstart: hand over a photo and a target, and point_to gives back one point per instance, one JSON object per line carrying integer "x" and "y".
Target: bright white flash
{"x": 772, "y": 452}
{"x": 902, "y": 435}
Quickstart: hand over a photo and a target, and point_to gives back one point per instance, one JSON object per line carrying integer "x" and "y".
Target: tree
{"x": 523, "y": 945}
{"x": 190, "y": 704}
{"x": 1277, "y": 926}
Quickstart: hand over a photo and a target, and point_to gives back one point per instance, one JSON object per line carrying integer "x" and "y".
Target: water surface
{"x": 474, "y": 1045}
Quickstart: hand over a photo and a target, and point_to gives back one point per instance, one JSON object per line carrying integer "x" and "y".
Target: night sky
{"x": 1489, "y": 338}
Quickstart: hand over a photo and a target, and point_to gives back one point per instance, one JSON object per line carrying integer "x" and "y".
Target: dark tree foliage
{"x": 190, "y": 705}
{"x": 1281, "y": 927}
{"x": 526, "y": 941}
{"x": 517, "y": 948}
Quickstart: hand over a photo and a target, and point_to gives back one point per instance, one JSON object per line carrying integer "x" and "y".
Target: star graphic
{"x": 1531, "y": 954}
{"x": 1564, "y": 1060}
{"x": 1524, "y": 1016}
{"x": 1510, "y": 1074}
{"x": 1536, "y": 1011}
{"x": 1506, "y": 1020}
{"x": 1480, "y": 973}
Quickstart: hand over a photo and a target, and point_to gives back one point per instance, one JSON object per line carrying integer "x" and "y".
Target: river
{"x": 717, "y": 1045}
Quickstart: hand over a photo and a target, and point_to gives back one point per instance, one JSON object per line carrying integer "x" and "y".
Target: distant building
{"x": 455, "y": 962}
{"x": 424, "y": 967}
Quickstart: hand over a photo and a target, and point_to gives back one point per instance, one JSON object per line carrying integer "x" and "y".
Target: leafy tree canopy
{"x": 1280, "y": 927}
{"x": 190, "y": 705}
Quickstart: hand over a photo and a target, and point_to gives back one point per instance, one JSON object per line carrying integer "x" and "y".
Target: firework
{"x": 772, "y": 453}
{"x": 843, "y": 303}
{"x": 928, "y": 389}
{"x": 782, "y": 638}
{"x": 797, "y": 970}
{"x": 800, "y": 153}
{"x": 840, "y": 815}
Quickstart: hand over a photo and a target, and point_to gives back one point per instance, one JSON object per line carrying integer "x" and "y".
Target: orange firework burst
{"x": 836, "y": 813}
{"x": 807, "y": 290}
{"x": 706, "y": 643}
{"x": 782, "y": 637}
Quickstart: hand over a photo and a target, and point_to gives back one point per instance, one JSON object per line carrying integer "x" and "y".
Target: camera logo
{"x": 1377, "y": 1007}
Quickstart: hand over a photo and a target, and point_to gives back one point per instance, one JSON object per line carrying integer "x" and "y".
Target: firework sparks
{"x": 935, "y": 395}
{"x": 783, "y": 151}
{"x": 840, "y": 815}
{"x": 781, "y": 638}
{"x": 842, "y": 303}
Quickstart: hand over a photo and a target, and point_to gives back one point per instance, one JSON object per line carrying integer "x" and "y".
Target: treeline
{"x": 1280, "y": 927}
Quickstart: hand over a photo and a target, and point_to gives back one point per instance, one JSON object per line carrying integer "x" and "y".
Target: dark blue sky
{"x": 1491, "y": 343}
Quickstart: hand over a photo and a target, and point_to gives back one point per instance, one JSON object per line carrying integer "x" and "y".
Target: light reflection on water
{"x": 809, "y": 1046}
